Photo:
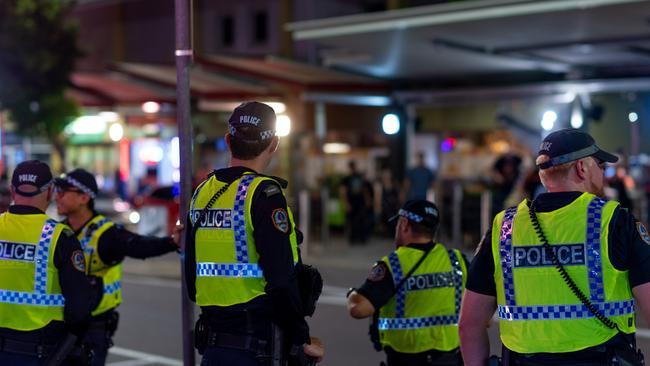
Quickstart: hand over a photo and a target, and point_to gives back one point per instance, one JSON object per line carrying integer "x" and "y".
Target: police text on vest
{"x": 537, "y": 256}
{"x": 215, "y": 218}
{"x": 429, "y": 281}
{"x": 17, "y": 251}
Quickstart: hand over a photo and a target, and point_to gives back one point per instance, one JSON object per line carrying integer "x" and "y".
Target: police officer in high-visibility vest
{"x": 417, "y": 290}
{"x": 44, "y": 293}
{"x": 241, "y": 253}
{"x": 105, "y": 245}
{"x": 564, "y": 271}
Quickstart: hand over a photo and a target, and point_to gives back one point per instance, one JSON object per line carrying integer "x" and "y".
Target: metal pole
{"x": 183, "y": 60}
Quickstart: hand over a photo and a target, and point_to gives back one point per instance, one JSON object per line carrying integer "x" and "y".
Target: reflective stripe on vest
{"x": 510, "y": 311}
{"x": 242, "y": 268}
{"x": 400, "y": 322}
{"x": 39, "y": 297}
{"x": 111, "y": 274}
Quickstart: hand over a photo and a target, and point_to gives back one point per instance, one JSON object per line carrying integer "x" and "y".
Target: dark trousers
{"x": 99, "y": 342}
{"x": 429, "y": 358}
{"x": 220, "y": 356}
{"x": 7, "y": 358}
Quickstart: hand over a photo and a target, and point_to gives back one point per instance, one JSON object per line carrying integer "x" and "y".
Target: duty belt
{"x": 239, "y": 342}
{"x": 25, "y": 348}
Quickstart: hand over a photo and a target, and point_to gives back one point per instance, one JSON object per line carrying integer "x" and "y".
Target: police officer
{"x": 593, "y": 243}
{"x": 242, "y": 253}
{"x": 417, "y": 290}
{"x": 105, "y": 246}
{"x": 44, "y": 293}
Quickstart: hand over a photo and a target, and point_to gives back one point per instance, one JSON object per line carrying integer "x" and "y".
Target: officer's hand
{"x": 176, "y": 235}
{"x": 315, "y": 349}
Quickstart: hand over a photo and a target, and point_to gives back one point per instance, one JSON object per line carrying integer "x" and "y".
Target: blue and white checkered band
{"x": 87, "y": 234}
{"x": 410, "y": 215}
{"x": 267, "y": 134}
{"x": 112, "y": 288}
{"x": 264, "y": 135}
{"x": 194, "y": 197}
{"x": 505, "y": 250}
{"x": 400, "y": 297}
{"x": 239, "y": 219}
{"x": 573, "y": 311}
{"x": 457, "y": 273}
{"x": 39, "y": 297}
{"x": 594, "y": 260}
{"x": 416, "y": 323}
{"x": 242, "y": 270}
{"x": 81, "y": 186}
{"x": 42, "y": 256}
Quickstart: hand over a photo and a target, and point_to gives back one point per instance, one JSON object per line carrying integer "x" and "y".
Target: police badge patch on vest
{"x": 280, "y": 220}
{"x": 643, "y": 232}
{"x": 378, "y": 272}
{"x": 17, "y": 251}
{"x": 78, "y": 261}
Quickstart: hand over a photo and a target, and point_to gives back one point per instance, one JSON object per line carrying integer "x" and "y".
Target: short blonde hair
{"x": 555, "y": 173}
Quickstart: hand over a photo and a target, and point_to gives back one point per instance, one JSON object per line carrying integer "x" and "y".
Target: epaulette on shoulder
{"x": 282, "y": 182}
{"x": 272, "y": 190}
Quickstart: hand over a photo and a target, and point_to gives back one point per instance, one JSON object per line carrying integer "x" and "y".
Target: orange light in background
{"x": 125, "y": 160}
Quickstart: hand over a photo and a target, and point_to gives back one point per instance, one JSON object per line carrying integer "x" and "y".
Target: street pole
{"x": 183, "y": 60}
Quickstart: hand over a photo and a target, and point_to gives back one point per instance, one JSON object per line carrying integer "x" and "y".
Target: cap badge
{"x": 250, "y": 120}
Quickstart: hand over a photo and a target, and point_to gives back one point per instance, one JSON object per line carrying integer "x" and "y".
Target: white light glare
{"x": 116, "y": 132}
{"x": 576, "y": 118}
{"x": 278, "y": 107}
{"x": 548, "y": 120}
{"x": 109, "y": 116}
{"x": 174, "y": 153}
{"x": 282, "y": 125}
{"x": 633, "y": 117}
{"x": 151, "y": 153}
{"x": 134, "y": 217}
{"x": 390, "y": 124}
{"x": 336, "y": 148}
{"x": 150, "y": 107}
{"x": 87, "y": 125}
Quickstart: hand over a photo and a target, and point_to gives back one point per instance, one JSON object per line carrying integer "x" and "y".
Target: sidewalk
{"x": 335, "y": 254}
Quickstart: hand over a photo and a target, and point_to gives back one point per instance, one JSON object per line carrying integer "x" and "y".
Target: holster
{"x": 201, "y": 334}
{"x": 310, "y": 285}
{"x": 627, "y": 356}
{"x": 373, "y": 332}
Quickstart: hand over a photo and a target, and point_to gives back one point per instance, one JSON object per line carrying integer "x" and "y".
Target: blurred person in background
{"x": 505, "y": 172}
{"x": 356, "y": 194}
{"x": 389, "y": 201}
{"x": 419, "y": 179}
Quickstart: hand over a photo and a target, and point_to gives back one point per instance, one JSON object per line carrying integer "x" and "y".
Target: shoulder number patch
{"x": 378, "y": 272}
{"x": 78, "y": 261}
{"x": 280, "y": 220}
{"x": 272, "y": 190}
{"x": 643, "y": 232}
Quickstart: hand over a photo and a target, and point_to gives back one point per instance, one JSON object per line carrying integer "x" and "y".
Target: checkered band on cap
{"x": 505, "y": 251}
{"x": 416, "y": 323}
{"x": 571, "y": 311}
{"x": 264, "y": 135}
{"x": 81, "y": 186}
{"x": 112, "y": 288}
{"x": 594, "y": 260}
{"x": 39, "y": 297}
{"x": 242, "y": 270}
{"x": 410, "y": 215}
{"x": 400, "y": 297}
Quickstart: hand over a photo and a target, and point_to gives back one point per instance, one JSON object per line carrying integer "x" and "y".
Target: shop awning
{"x": 108, "y": 89}
{"x": 488, "y": 42}
{"x": 202, "y": 84}
{"x": 294, "y": 74}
